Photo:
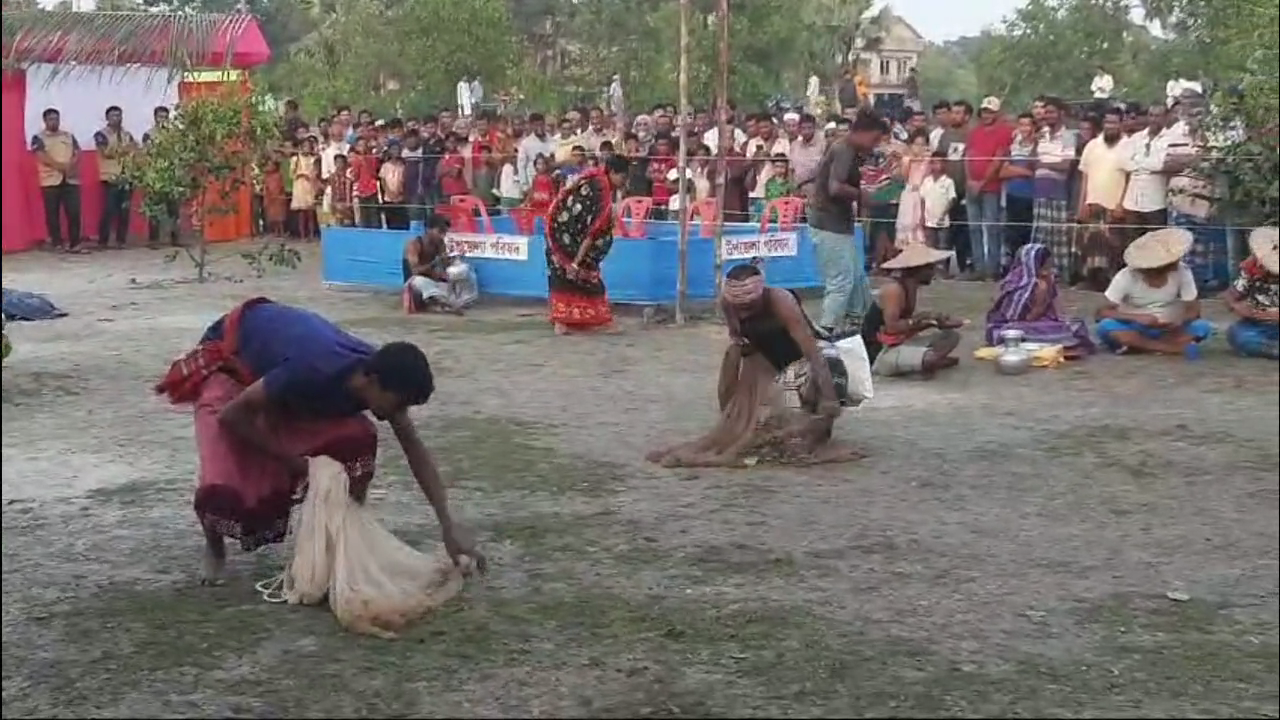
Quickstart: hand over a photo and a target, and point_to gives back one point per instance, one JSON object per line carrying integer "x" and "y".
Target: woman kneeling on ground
{"x": 1028, "y": 302}
{"x": 273, "y": 385}
{"x": 1255, "y": 298}
{"x": 1152, "y": 304}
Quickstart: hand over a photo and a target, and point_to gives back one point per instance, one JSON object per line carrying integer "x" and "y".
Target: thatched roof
{"x": 178, "y": 41}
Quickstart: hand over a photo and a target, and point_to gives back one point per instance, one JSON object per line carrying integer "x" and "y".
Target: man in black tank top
{"x": 771, "y": 322}
{"x": 894, "y": 332}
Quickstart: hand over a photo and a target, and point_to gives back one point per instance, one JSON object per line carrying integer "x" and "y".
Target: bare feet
{"x": 212, "y": 569}
{"x": 215, "y": 557}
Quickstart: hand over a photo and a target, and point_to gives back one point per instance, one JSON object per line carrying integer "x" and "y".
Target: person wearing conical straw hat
{"x": 1152, "y": 304}
{"x": 896, "y": 334}
{"x": 1255, "y": 298}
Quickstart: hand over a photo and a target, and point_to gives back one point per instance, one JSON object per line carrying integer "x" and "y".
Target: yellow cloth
{"x": 1046, "y": 357}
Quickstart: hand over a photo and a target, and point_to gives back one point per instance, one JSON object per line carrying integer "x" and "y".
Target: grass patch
{"x": 140, "y": 492}
{"x": 503, "y": 455}
{"x": 583, "y": 652}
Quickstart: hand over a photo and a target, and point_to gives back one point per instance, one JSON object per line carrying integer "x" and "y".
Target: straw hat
{"x": 1264, "y": 243}
{"x": 916, "y": 255}
{"x": 1158, "y": 248}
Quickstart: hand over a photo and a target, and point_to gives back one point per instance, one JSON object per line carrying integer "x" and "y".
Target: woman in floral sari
{"x": 579, "y": 235}
{"x": 1028, "y": 301}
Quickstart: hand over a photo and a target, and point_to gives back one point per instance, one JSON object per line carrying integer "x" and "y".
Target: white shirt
{"x": 937, "y": 194}
{"x": 463, "y": 97}
{"x": 1129, "y": 291}
{"x": 1143, "y": 159}
{"x": 711, "y": 139}
{"x": 509, "y": 186}
{"x": 781, "y": 146}
{"x": 327, "y": 155}
{"x": 1102, "y": 86}
{"x": 615, "y": 97}
{"x": 935, "y": 135}
{"x": 528, "y": 151}
{"x": 814, "y": 88}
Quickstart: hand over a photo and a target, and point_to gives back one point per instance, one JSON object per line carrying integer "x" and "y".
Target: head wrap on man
{"x": 745, "y": 291}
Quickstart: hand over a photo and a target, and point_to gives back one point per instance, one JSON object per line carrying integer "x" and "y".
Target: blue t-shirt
{"x": 303, "y": 359}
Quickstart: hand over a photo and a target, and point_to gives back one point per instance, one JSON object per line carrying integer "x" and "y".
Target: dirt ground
{"x": 1006, "y": 549}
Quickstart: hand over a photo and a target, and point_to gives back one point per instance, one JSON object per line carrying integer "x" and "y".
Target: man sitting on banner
{"x": 433, "y": 279}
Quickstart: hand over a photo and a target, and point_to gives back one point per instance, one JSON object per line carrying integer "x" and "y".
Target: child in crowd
{"x": 342, "y": 193}
{"x": 937, "y": 194}
{"x": 542, "y": 190}
{"x": 275, "y": 199}
{"x": 483, "y": 176}
{"x": 305, "y": 170}
{"x": 510, "y": 194}
{"x": 452, "y": 179}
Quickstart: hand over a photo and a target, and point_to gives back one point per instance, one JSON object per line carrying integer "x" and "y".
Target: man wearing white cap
{"x": 1152, "y": 305}
{"x": 988, "y": 144}
{"x": 1254, "y": 297}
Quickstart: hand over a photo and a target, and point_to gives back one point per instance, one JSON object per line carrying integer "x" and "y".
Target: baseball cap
{"x": 990, "y": 102}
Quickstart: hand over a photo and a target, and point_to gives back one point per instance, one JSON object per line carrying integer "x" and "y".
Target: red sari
{"x": 582, "y": 213}
{"x": 240, "y": 493}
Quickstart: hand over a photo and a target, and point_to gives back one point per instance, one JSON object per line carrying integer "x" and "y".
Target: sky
{"x": 940, "y": 20}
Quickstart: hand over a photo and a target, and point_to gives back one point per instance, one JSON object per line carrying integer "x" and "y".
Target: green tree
{"x": 946, "y": 72}
{"x": 202, "y": 158}
{"x": 1234, "y": 44}
{"x": 393, "y": 54}
{"x": 1054, "y": 47}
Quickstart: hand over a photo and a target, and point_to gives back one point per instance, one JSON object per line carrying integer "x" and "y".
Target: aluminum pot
{"x": 1013, "y": 359}
{"x": 458, "y": 271}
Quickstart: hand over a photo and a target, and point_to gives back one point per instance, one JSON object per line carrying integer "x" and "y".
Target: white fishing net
{"x": 375, "y": 583}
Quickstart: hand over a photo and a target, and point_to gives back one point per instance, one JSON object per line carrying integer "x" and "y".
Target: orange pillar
{"x": 226, "y": 214}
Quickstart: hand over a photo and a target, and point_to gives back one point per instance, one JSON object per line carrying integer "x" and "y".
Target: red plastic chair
{"x": 787, "y": 210}
{"x": 707, "y": 213}
{"x": 460, "y": 219}
{"x": 474, "y": 208}
{"x": 525, "y": 219}
{"x": 632, "y": 214}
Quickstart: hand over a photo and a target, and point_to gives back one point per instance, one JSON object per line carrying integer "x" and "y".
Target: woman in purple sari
{"x": 1028, "y": 301}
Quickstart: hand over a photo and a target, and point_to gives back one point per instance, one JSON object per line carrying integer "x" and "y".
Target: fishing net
{"x": 375, "y": 583}
{"x": 755, "y": 424}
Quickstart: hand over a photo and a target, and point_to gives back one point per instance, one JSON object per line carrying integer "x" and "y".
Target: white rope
{"x": 272, "y": 589}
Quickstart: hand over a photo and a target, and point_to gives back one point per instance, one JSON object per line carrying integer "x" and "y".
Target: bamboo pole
{"x": 725, "y": 135}
{"x": 682, "y": 167}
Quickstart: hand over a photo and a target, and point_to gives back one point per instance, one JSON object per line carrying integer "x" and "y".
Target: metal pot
{"x": 1013, "y": 359}
{"x": 458, "y": 271}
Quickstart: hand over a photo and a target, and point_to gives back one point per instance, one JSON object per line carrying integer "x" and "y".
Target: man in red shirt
{"x": 661, "y": 160}
{"x": 986, "y": 151}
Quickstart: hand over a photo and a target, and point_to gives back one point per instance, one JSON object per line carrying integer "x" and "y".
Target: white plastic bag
{"x": 854, "y": 354}
{"x": 375, "y": 583}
